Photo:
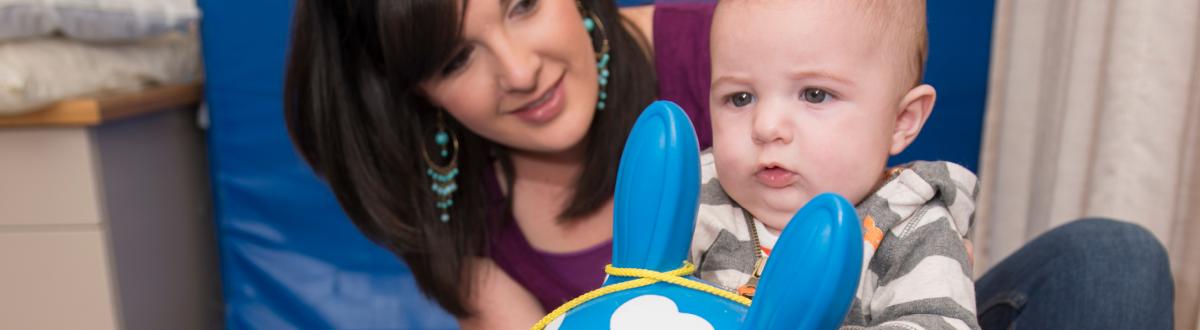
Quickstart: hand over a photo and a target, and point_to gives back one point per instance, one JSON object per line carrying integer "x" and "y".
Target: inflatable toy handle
{"x": 813, "y": 273}
{"x": 658, "y": 185}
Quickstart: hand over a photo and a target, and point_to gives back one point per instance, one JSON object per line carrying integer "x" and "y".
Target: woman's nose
{"x": 519, "y": 67}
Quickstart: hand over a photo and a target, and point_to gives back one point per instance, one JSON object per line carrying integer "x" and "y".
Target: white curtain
{"x": 1093, "y": 110}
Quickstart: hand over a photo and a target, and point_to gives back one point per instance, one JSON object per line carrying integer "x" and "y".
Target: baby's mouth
{"x": 775, "y": 176}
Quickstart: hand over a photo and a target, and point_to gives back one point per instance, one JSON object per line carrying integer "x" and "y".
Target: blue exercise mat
{"x": 290, "y": 259}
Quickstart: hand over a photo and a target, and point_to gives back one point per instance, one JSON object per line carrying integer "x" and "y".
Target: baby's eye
{"x": 815, "y": 95}
{"x": 741, "y": 99}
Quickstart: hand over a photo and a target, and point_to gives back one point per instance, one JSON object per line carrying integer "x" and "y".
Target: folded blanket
{"x": 96, "y": 20}
{"x": 36, "y": 72}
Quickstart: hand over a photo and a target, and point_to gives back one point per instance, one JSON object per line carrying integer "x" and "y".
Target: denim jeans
{"x": 1088, "y": 274}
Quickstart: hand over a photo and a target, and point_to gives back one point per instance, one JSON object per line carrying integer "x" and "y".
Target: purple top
{"x": 682, "y": 63}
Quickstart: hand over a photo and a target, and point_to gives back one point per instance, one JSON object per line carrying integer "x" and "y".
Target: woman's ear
{"x": 915, "y": 107}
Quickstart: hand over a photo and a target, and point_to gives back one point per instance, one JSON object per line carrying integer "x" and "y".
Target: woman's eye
{"x": 741, "y": 99}
{"x": 523, "y": 7}
{"x": 457, "y": 61}
{"x": 815, "y": 95}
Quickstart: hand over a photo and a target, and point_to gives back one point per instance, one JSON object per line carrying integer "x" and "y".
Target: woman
{"x": 513, "y": 108}
{"x": 479, "y": 140}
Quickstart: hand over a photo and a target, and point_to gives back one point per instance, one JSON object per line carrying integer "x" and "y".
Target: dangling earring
{"x": 443, "y": 185}
{"x": 592, "y": 23}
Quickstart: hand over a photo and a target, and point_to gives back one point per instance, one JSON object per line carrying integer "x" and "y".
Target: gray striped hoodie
{"x": 916, "y": 272}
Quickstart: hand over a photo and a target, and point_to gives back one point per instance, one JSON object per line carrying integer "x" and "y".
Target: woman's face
{"x": 524, "y": 77}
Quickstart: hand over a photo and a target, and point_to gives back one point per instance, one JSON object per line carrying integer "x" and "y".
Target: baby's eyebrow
{"x": 729, "y": 79}
{"x": 818, "y": 74}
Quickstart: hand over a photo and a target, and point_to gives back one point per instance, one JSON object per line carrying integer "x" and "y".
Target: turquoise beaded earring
{"x": 592, "y": 23}
{"x": 443, "y": 176}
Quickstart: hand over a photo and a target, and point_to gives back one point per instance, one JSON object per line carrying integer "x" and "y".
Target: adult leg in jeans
{"x": 1088, "y": 274}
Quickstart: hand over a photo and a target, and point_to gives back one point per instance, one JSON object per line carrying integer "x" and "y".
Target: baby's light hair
{"x": 901, "y": 25}
{"x": 898, "y": 25}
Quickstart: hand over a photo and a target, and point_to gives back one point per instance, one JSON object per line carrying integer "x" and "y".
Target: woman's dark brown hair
{"x": 357, "y": 116}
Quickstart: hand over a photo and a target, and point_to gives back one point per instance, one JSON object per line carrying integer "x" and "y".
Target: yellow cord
{"x": 645, "y": 277}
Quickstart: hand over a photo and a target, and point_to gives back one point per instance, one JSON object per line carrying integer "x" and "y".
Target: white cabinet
{"x": 105, "y": 216}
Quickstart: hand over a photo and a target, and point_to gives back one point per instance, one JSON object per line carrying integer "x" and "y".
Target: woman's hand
{"x": 498, "y": 302}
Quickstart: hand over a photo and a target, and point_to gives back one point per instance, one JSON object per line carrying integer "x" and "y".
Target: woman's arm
{"x": 499, "y": 302}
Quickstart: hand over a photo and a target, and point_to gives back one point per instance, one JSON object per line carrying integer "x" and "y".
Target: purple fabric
{"x": 581, "y": 270}
{"x": 681, "y": 59}
{"x": 553, "y": 278}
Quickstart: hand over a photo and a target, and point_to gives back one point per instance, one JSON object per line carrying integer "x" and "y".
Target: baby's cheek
{"x": 723, "y": 129}
{"x": 730, "y": 152}
{"x": 734, "y": 174}
{"x": 847, "y": 177}
{"x": 729, "y": 164}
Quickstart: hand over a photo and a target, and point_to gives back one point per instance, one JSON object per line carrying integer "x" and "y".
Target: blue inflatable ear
{"x": 658, "y": 186}
{"x": 812, "y": 275}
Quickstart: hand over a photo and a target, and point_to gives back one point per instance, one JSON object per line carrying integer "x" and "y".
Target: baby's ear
{"x": 915, "y": 107}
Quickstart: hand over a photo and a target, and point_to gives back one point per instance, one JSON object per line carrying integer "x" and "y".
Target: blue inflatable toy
{"x": 809, "y": 281}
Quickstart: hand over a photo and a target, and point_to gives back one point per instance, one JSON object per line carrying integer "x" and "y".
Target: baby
{"x": 812, "y": 96}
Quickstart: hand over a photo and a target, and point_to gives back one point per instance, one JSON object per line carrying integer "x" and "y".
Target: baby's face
{"x": 803, "y": 101}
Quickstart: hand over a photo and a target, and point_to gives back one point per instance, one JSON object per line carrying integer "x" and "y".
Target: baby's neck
{"x": 773, "y": 230}
{"x": 767, "y": 224}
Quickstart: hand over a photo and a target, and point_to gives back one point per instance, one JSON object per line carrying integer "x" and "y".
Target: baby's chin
{"x": 786, "y": 199}
{"x": 779, "y": 208}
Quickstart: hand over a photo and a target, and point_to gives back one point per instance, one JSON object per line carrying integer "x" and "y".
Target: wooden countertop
{"x": 91, "y": 111}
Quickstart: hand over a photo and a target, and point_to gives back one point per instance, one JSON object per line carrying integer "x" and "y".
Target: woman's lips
{"x": 775, "y": 177}
{"x": 545, "y": 108}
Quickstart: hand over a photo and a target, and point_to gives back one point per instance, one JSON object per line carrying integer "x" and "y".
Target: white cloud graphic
{"x": 556, "y": 323}
{"x": 654, "y": 312}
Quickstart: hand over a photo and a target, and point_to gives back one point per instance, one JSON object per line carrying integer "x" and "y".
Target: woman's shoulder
{"x": 693, "y": 19}
{"x": 642, "y": 18}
